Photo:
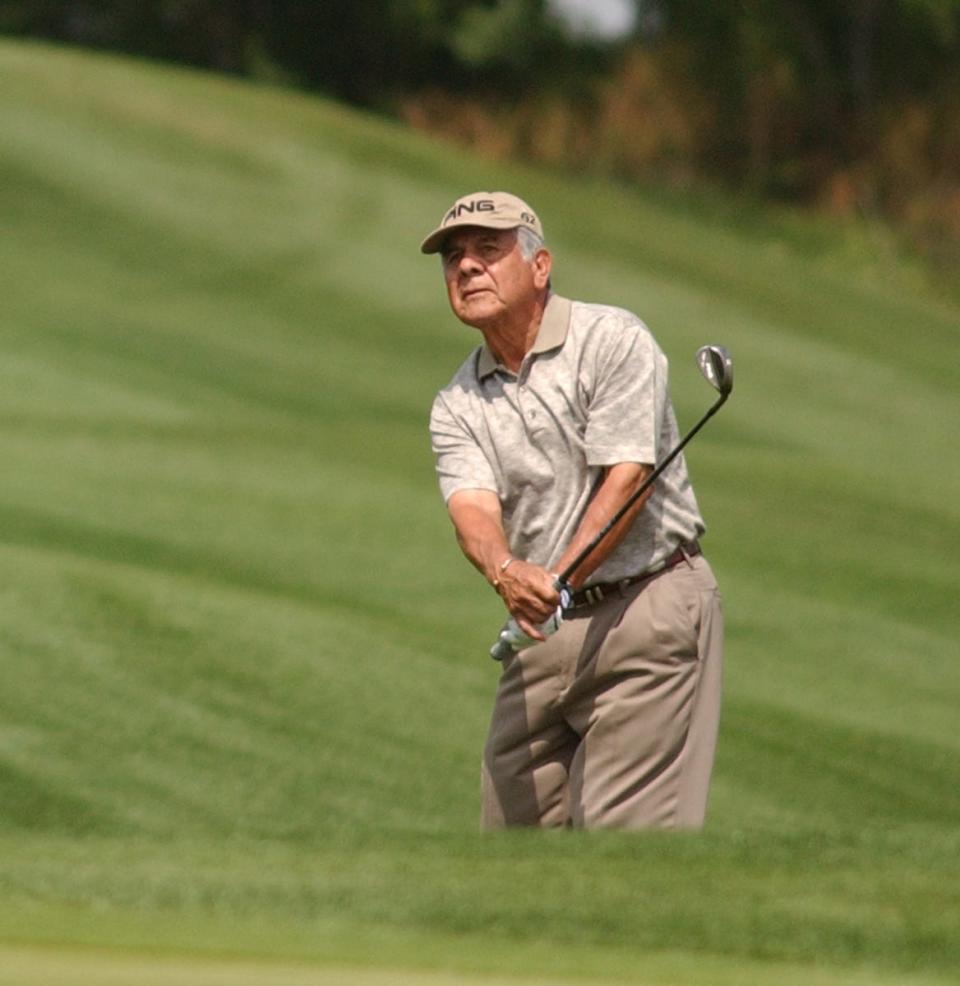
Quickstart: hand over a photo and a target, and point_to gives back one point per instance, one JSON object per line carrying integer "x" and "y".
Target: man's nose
{"x": 470, "y": 263}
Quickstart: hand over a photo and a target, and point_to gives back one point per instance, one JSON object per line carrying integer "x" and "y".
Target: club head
{"x": 716, "y": 365}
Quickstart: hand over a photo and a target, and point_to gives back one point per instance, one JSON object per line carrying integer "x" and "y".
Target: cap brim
{"x": 434, "y": 242}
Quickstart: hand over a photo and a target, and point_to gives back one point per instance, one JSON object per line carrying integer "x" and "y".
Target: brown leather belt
{"x": 592, "y": 594}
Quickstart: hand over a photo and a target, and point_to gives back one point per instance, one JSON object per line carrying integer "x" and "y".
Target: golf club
{"x": 716, "y": 365}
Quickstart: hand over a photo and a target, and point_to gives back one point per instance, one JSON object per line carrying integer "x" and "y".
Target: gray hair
{"x": 530, "y": 242}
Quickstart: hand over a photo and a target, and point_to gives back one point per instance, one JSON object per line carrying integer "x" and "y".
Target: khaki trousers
{"x": 612, "y": 722}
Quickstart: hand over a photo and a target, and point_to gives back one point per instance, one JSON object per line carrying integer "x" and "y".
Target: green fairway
{"x": 35, "y": 967}
{"x": 243, "y": 671}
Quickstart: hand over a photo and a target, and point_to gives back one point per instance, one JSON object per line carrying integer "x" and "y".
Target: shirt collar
{"x": 551, "y": 334}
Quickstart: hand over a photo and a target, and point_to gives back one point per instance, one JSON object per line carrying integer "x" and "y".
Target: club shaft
{"x": 632, "y": 499}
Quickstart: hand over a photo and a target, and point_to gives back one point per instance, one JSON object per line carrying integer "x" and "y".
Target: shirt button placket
{"x": 522, "y": 391}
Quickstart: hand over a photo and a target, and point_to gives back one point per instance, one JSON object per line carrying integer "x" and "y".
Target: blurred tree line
{"x": 852, "y": 105}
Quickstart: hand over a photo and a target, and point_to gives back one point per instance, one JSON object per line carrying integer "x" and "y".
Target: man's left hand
{"x": 530, "y": 594}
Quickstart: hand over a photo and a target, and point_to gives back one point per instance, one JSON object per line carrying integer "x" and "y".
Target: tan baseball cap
{"x": 492, "y": 210}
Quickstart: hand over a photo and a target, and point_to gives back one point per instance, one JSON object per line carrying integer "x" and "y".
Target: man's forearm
{"x": 527, "y": 590}
{"x": 481, "y": 538}
{"x": 618, "y": 485}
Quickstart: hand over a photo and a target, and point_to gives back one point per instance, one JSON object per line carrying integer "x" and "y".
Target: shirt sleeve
{"x": 461, "y": 462}
{"x": 629, "y": 389}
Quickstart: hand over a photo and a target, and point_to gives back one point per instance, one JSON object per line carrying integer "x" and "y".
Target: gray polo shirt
{"x": 591, "y": 393}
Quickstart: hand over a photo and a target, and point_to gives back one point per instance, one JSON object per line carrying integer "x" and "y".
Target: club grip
{"x": 501, "y": 650}
{"x": 512, "y": 638}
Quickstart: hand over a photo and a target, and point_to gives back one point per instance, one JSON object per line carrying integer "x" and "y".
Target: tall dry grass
{"x": 653, "y": 120}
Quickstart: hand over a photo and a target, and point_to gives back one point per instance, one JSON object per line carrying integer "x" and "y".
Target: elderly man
{"x": 540, "y": 437}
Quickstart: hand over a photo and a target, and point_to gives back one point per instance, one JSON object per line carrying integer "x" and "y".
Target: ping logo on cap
{"x": 476, "y": 205}
{"x": 492, "y": 210}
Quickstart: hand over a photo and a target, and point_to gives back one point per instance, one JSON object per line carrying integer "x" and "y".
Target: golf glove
{"x": 512, "y": 638}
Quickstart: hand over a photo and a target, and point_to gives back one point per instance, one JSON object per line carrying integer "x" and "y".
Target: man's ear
{"x": 542, "y": 265}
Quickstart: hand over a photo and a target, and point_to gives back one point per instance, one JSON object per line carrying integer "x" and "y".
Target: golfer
{"x": 543, "y": 433}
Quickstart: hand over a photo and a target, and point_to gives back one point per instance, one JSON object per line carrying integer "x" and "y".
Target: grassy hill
{"x": 243, "y": 672}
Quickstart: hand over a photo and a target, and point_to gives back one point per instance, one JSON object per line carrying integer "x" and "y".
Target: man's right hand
{"x": 529, "y": 592}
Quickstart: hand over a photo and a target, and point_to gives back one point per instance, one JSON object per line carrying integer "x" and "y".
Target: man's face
{"x": 487, "y": 276}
